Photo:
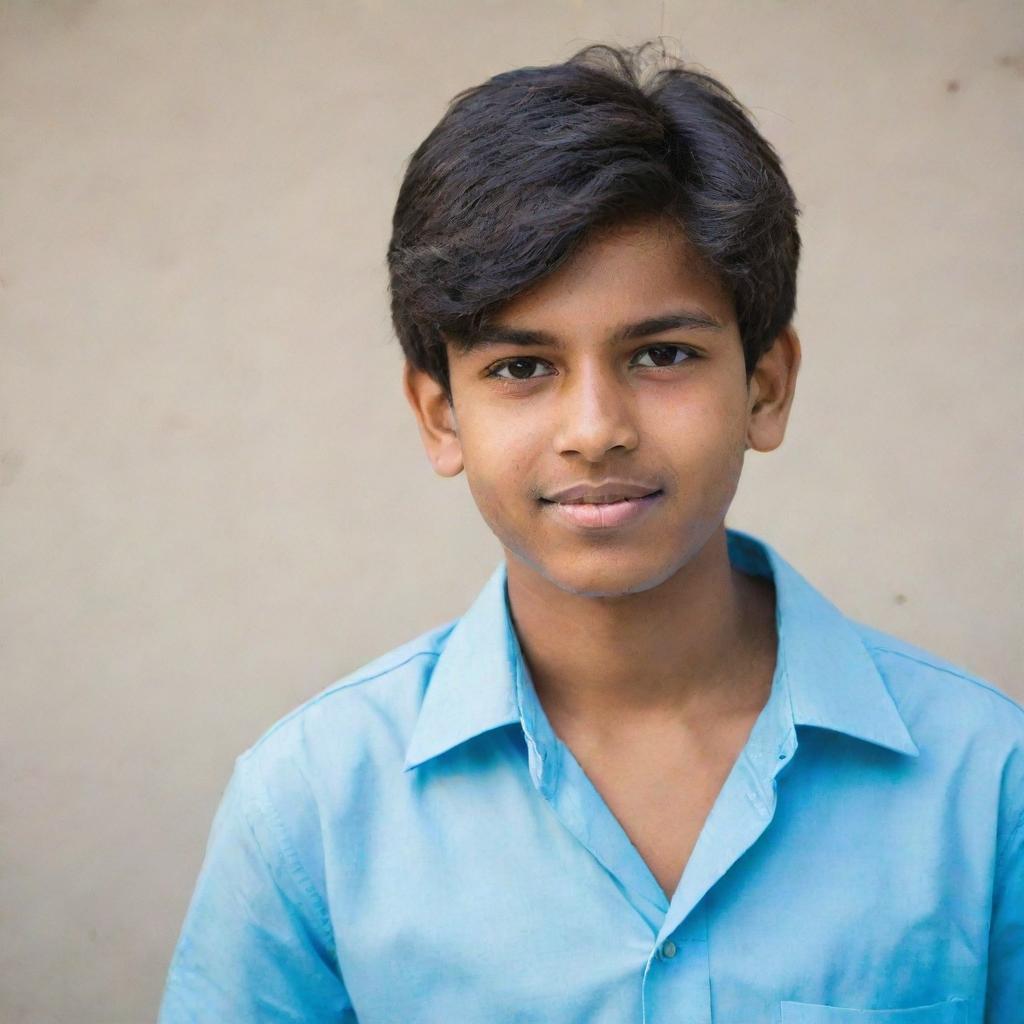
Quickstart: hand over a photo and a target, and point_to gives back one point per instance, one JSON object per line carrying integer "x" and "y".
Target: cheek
{"x": 702, "y": 432}
{"x": 498, "y": 458}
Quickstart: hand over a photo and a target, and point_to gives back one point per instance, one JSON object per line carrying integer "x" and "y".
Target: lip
{"x": 604, "y": 489}
{"x": 606, "y": 515}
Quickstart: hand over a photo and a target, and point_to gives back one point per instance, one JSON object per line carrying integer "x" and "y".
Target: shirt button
{"x": 668, "y": 949}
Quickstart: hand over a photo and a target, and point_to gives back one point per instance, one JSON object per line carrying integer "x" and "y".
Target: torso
{"x": 661, "y": 778}
{"x": 662, "y": 788}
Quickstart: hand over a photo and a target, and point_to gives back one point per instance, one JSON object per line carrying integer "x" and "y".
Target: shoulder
{"x": 358, "y": 725}
{"x": 390, "y": 687}
{"x": 335, "y": 758}
{"x": 914, "y": 674}
{"x": 967, "y": 728}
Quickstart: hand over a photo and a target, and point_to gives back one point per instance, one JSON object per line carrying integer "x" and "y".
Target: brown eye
{"x": 518, "y": 369}
{"x": 521, "y": 367}
{"x": 665, "y": 355}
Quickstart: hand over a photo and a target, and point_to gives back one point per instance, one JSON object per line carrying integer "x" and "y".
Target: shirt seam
{"x": 1007, "y": 843}
{"x": 290, "y": 858}
{"x": 949, "y": 671}
{"x": 335, "y": 688}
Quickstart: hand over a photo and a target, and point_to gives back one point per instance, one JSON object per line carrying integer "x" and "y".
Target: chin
{"x": 602, "y": 574}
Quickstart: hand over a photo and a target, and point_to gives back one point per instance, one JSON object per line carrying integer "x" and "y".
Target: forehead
{"x": 625, "y": 271}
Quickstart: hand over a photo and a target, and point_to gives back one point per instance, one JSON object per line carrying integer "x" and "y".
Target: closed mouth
{"x": 608, "y": 500}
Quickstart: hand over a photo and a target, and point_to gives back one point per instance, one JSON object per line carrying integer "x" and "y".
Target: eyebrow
{"x": 496, "y": 334}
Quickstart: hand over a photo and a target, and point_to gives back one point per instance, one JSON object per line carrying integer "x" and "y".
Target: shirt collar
{"x": 831, "y": 679}
{"x": 472, "y": 688}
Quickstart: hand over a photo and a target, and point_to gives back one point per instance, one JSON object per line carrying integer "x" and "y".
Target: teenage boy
{"x": 651, "y": 774}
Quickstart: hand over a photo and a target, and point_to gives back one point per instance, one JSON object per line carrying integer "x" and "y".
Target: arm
{"x": 256, "y": 945}
{"x": 1005, "y": 989}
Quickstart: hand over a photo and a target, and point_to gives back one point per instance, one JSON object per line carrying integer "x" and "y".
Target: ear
{"x": 435, "y": 418}
{"x": 771, "y": 389}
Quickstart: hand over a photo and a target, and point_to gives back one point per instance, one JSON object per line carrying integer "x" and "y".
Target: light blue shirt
{"x": 415, "y": 844}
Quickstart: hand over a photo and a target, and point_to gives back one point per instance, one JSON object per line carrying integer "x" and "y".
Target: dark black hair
{"x": 522, "y": 168}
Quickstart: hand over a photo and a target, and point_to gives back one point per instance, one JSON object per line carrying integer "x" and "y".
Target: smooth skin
{"x": 650, "y": 654}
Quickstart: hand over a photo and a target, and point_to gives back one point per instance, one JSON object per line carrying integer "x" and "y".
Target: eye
{"x": 665, "y": 355}
{"x": 519, "y": 368}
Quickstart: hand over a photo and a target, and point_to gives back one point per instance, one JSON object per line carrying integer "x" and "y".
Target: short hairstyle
{"x": 522, "y": 168}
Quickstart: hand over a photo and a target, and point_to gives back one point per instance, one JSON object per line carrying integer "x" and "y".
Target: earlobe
{"x": 772, "y": 388}
{"x": 435, "y": 418}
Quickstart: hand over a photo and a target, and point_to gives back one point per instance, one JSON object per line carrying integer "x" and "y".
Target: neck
{"x": 701, "y": 644}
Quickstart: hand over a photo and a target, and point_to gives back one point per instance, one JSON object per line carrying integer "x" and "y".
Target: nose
{"x": 595, "y": 414}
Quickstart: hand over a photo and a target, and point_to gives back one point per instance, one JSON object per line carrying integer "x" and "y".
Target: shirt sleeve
{"x": 256, "y": 944}
{"x": 1005, "y": 990}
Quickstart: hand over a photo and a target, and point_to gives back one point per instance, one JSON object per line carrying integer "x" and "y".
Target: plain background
{"x": 214, "y": 501}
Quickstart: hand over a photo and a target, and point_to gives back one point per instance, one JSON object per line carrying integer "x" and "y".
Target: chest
{"x": 466, "y": 891}
{"x": 661, "y": 789}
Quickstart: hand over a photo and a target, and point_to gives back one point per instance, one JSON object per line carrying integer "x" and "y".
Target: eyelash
{"x": 502, "y": 363}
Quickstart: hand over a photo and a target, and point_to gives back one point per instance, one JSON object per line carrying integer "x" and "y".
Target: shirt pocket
{"x": 952, "y": 1011}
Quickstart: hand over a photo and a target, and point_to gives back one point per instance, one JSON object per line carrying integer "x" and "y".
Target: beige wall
{"x": 213, "y": 498}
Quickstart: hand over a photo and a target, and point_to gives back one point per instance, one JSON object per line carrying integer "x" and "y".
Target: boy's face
{"x": 668, "y": 412}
